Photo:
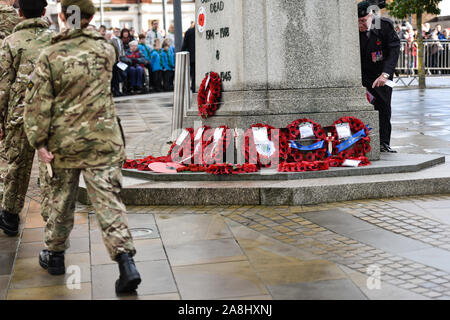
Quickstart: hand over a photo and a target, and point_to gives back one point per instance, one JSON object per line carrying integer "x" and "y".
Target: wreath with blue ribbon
{"x": 311, "y": 149}
{"x": 358, "y": 145}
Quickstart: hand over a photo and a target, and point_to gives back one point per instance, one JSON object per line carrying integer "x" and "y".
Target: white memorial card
{"x": 343, "y": 131}
{"x": 306, "y": 130}
{"x": 260, "y": 135}
{"x": 391, "y": 83}
{"x": 122, "y": 66}
{"x": 266, "y": 149}
{"x": 351, "y": 163}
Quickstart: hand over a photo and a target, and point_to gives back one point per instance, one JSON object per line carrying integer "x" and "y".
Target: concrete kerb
{"x": 433, "y": 179}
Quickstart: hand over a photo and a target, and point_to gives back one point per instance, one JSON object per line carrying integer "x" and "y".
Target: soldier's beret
{"x": 363, "y": 7}
{"x": 31, "y": 5}
{"x": 86, "y": 6}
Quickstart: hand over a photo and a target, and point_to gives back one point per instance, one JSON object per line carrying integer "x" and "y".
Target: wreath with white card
{"x": 347, "y": 129}
{"x": 306, "y": 141}
{"x": 258, "y": 146}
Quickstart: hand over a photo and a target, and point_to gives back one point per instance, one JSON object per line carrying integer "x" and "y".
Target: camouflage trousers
{"x": 3, "y": 166}
{"x": 103, "y": 187}
{"x": 16, "y": 180}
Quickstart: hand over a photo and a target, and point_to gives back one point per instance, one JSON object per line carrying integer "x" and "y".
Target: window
{"x": 107, "y": 23}
{"x": 126, "y": 24}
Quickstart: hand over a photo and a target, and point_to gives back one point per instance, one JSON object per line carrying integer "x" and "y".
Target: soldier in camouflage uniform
{"x": 18, "y": 56}
{"x": 8, "y": 21}
{"x": 70, "y": 119}
{"x": 8, "y": 18}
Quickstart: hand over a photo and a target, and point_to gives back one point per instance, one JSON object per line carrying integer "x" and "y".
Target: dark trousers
{"x": 168, "y": 76}
{"x": 118, "y": 76}
{"x": 136, "y": 76}
{"x": 382, "y": 103}
{"x": 193, "y": 77}
{"x": 157, "y": 80}
{"x": 149, "y": 68}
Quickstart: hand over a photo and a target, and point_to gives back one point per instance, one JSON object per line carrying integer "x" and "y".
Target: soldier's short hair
{"x": 32, "y": 8}
{"x": 83, "y": 16}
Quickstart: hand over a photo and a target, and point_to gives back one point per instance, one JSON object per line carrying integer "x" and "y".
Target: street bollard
{"x": 182, "y": 93}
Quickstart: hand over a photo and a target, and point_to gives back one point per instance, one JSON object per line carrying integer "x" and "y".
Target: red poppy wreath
{"x": 358, "y": 149}
{"x": 318, "y": 134}
{"x": 209, "y": 95}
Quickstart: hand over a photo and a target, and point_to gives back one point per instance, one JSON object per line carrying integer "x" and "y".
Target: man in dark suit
{"x": 380, "y": 48}
{"x": 119, "y": 76}
{"x": 189, "y": 45}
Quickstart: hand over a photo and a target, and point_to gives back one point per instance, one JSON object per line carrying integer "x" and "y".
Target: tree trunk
{"x": 420, "y": 52}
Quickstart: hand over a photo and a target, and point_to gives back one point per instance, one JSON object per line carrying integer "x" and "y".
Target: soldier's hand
{"x": 380, "y": 82}
{"x": 1, "y": 134}
{"x": 45, "y": 155}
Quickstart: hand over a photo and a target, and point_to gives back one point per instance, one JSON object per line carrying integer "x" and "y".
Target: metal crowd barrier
{"x": 181, "y": 93}
{"x": 436, "y": 58}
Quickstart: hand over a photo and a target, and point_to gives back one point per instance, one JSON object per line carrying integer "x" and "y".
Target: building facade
{"x": 137, "y": 14}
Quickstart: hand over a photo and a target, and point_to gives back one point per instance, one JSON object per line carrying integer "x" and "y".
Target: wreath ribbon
{"x": 298, "y": 146}
{"x": 351, "y": 141}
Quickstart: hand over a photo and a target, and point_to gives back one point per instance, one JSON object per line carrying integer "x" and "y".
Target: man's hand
{"x": 2, "y": 133}
{"x": 380, "y": 82}
{"x": 45, "y": 155}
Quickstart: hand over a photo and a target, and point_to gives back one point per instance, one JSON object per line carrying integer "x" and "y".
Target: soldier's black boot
{"x": 129, "y": 276}
{"x": 9, "y": 223}
{"x": 53, "y": 262}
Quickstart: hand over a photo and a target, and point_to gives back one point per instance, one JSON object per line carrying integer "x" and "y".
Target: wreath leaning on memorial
{"x": 209, "y": 95}
{"x": 360, "y": 147}
{"x": 249, "y": 148}
{"x": 309, "y": 153}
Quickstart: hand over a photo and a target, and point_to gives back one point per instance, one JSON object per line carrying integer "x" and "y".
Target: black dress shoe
{"x": 144, "y": 90}
{"x": 384, "y": 147}
{"x": 9, "y": 223}
{"x": 129, "y": 276}
{"x": 53, "y": 262}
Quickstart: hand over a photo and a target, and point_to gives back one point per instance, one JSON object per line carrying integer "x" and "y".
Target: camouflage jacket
{"x": 70, "y": 109}
{"x": 18, "y": 56}
{"x": 8, "y": 20}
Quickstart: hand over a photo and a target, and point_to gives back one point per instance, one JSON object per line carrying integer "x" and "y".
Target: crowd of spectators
{"x": 145, "y": 62}
{"x": 407, "y": 32}
{"x": 436, "y": 47}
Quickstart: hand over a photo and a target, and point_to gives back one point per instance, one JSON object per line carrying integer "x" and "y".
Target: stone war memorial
{"x": 283, "y": 60}
{"x": 279, "y": 117}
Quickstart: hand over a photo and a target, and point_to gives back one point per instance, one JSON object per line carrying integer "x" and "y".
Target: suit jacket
{"x": 189, "y": 43}
{"x": 379, "y": 52}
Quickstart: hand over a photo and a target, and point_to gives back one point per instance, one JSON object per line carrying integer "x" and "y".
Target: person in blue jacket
{"x": 157, "y": 66}
{"x": 146, "y": 52}
{"x": 168, "y": 60}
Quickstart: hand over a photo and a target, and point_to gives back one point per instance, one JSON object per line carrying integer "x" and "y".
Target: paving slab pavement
{"x": 253, "y": 251}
